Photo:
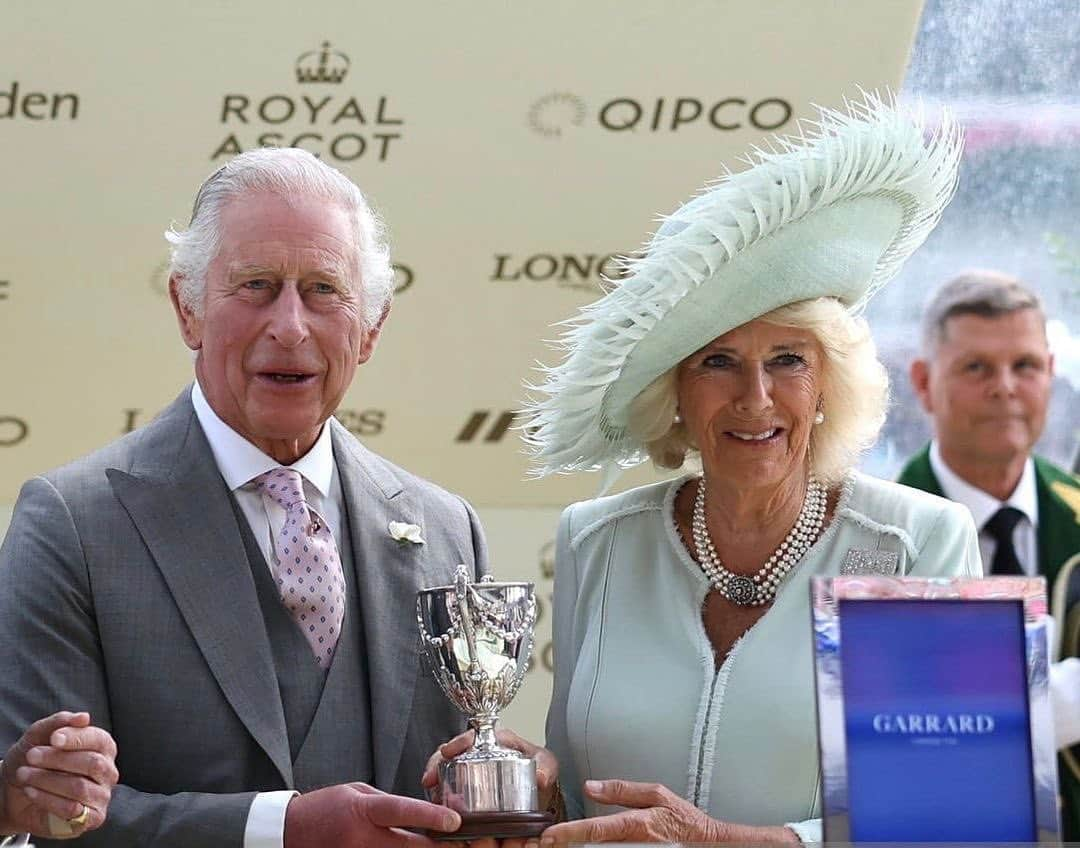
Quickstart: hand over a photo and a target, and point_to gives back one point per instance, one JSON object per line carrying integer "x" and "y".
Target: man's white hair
{"x": 286, "y": 172}
{"x": 854, "y": 394}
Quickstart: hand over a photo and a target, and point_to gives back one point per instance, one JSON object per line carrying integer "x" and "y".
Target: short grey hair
{"x": 286, "y": 172}
{"x": 988, "y": 294}
{"x": 854, "y": 394}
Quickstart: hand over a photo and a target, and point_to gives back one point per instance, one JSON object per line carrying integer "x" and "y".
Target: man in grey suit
{"x": 230, "y": 590}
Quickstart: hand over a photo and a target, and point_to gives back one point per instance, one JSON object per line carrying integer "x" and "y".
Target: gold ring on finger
{"x": 81, "y": 818}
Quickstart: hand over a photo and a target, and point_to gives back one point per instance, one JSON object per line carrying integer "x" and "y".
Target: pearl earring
{"x": 677, "y": 419}
{"x": 819, "y": 418}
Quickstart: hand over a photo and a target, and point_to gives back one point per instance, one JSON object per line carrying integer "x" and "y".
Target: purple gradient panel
{"x": 936, "y": 720}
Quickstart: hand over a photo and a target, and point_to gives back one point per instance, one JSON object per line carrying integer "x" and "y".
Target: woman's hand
{"x": 57, "y": 779}
{"x": 656, "y": 814}
{"x": 547, "y": 767}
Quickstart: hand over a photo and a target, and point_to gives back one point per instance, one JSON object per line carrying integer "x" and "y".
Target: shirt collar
{"x": 982, "y": 505}
{"x": 239, "y": 461}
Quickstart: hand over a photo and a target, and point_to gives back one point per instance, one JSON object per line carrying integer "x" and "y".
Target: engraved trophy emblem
{"x": 477, "y": 638}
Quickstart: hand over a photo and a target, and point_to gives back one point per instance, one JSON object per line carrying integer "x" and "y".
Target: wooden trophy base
{"x": 499, "y": 825}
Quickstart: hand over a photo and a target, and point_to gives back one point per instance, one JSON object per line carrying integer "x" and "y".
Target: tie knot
{"x": 282, "y": 485}
{"x": 1002, "y": 523}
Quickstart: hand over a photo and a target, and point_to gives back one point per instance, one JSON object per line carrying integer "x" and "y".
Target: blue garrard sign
{"x": 933, "y": 724}
{"x": 933, "y": 713}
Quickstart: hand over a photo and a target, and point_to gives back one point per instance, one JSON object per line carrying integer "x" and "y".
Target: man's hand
{"x": 60, "y": 768}
{"x": 355, "y": 815}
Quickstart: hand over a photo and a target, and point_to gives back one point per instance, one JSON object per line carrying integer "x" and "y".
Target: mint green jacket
{"x": 637, "y": 694}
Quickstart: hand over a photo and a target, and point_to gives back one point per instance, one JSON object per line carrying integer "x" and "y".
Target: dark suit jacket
{"x": 1058, "y": 541}
{"x": 125, "y": 590}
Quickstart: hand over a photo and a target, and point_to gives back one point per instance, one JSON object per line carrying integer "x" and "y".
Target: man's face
{"x": 988, "y": 386}
{"x": 281, "y": 332}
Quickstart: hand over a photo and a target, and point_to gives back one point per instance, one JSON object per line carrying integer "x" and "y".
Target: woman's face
{"x": 748, "y": 400}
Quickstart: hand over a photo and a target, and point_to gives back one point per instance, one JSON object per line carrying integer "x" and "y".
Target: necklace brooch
{"x": 759, "y": 588}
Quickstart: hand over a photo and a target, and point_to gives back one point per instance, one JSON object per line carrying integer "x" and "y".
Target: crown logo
{"x": 322, "y": 65}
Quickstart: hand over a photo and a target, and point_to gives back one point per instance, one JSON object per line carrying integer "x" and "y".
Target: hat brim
{"x": 803, "y": 261}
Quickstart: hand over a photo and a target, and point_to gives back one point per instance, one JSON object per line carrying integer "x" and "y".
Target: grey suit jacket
{"x": 125, "y": 591}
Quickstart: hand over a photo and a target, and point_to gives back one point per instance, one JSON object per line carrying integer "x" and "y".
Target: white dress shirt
{"x": 1064, "y": 675}
{"x": 239, "y": 462}
{"x": 1025, "y": 497}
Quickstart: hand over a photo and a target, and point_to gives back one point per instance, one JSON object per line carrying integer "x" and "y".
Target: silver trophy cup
{"x": 477, "y": 638}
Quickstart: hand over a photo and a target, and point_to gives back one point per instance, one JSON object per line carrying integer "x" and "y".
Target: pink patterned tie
{"x": 306, "y": 564}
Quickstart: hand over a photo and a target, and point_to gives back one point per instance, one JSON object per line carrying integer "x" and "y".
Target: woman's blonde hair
{"x": 854, "y": 391}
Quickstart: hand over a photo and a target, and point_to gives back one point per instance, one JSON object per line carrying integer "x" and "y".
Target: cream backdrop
{"x": 511, "y": 147}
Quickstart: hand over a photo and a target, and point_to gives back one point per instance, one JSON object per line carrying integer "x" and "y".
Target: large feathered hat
{"x": 832, "y": 212}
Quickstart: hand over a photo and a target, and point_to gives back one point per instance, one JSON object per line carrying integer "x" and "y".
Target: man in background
{"x": 984, "y": 377}
{"x": 230, "y": 590}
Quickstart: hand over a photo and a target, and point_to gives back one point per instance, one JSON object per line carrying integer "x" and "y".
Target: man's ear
{"x": 190, "y": 324}
{"x": 920, "y": 382}
{"x": 371, "y": 336}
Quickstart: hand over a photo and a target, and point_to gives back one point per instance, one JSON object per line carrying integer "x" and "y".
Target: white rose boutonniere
{"x": 402, "y": 531}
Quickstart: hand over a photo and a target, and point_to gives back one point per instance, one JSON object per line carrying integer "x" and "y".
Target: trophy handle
{"x": 461, "y": 599}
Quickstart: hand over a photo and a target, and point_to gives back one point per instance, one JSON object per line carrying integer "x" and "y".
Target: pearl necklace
{"x": 760, "y": 588}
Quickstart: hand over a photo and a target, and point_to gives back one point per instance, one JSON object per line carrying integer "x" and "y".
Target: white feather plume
{"x": 871, "y": 149}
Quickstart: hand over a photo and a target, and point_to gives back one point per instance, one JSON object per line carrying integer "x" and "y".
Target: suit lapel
{"x": 183, "y": 512}
{"x": 1059, "y": 533}
{"x": 920, "y": 475}
{"x": 390, "y": 573}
